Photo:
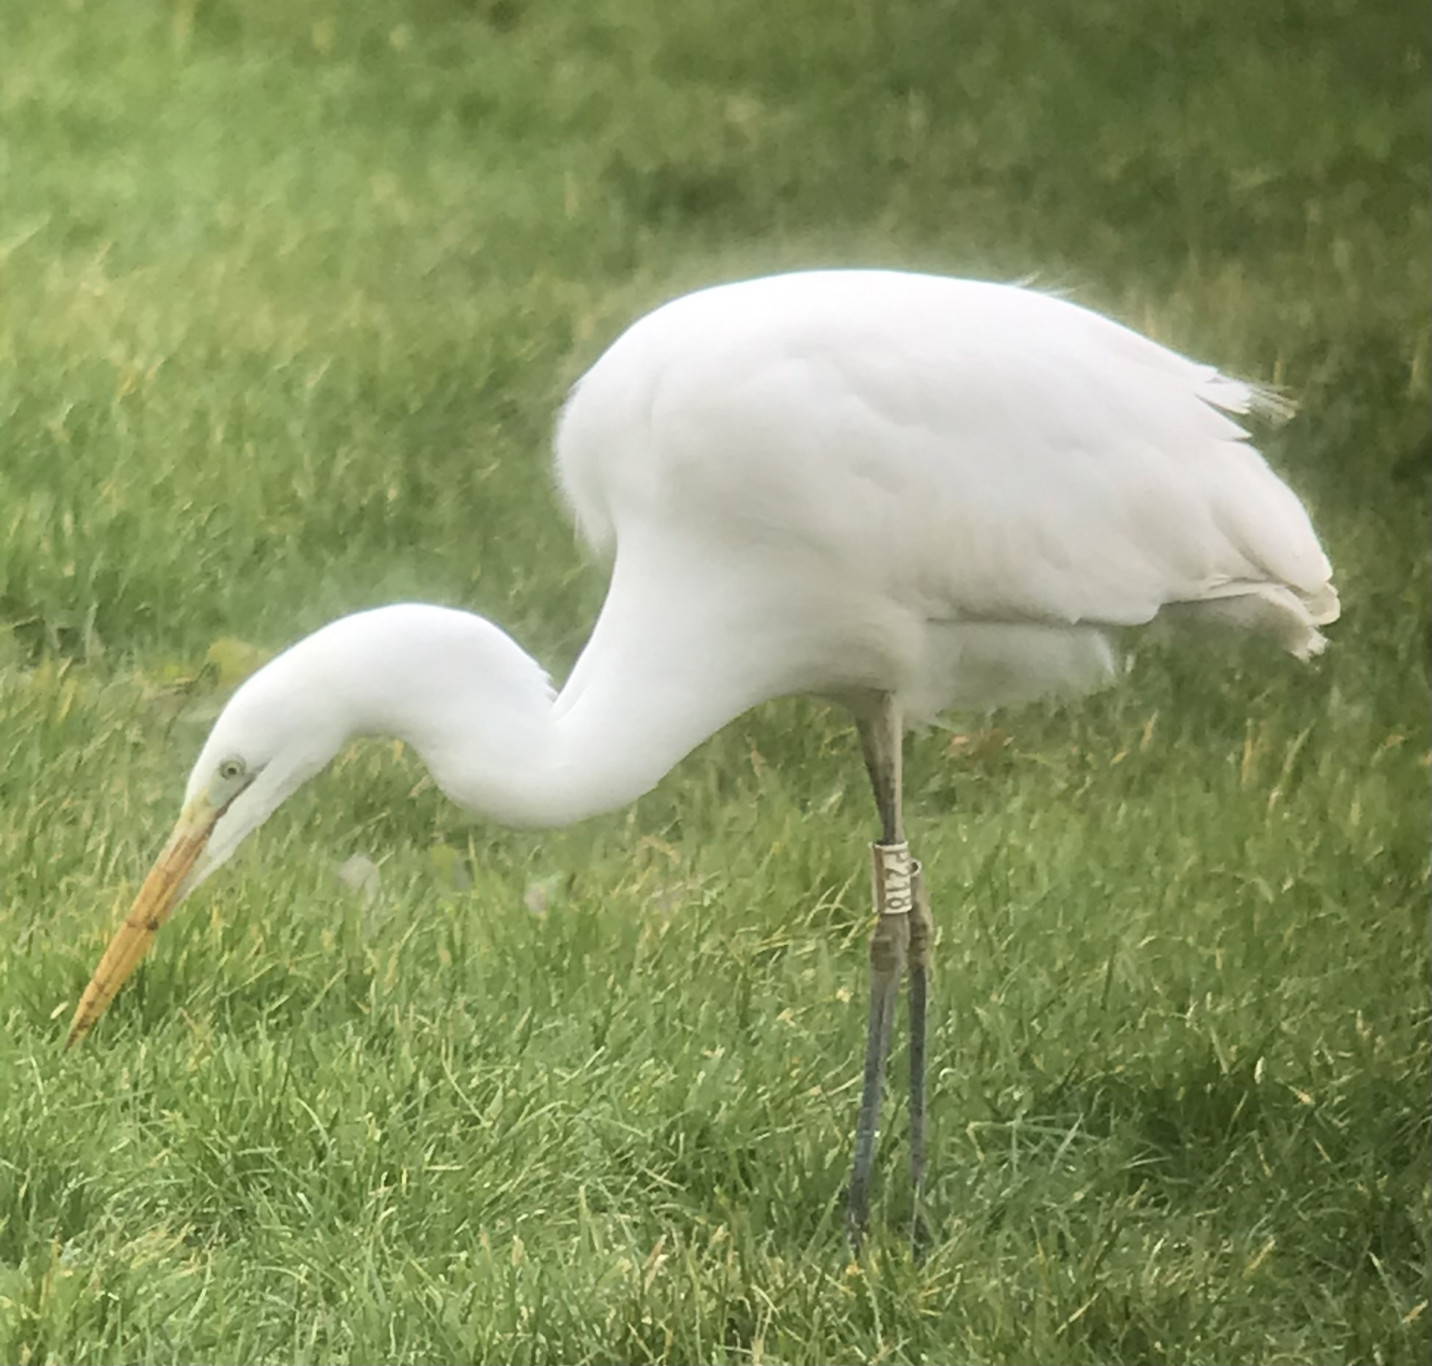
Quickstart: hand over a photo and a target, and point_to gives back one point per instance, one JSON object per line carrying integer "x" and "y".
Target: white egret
{"x": 903, "y": 492}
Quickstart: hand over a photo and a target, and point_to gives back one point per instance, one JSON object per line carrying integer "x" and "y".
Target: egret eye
{"x": 231, "y": 770}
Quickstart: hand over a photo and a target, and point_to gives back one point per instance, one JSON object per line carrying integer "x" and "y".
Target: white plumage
{"x": 945, "y": 489}
{"x": 962, "y": 451}
{"x": 838, "y": 482}
{"x": 901, "y": 491}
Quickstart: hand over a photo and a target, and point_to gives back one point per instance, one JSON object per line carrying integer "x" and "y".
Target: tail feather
{"x": 1267, "y": 609}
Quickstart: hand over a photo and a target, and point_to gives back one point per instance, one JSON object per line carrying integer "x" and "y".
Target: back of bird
{"x": 976, "y": 451}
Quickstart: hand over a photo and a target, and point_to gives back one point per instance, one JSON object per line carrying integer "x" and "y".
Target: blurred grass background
{"x": 289, "y": 295}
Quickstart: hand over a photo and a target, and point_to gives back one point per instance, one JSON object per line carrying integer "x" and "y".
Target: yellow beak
{"x": 152, "y": 907}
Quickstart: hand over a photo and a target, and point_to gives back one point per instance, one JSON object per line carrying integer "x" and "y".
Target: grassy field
{"x": 289, "y": 293}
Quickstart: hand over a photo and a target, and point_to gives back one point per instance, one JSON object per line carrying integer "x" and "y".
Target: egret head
{"x": 280, "y": 728}
{"x": 463, "y": 694}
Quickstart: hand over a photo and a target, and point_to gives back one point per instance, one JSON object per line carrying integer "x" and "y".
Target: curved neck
{"x": 482, "y": 715}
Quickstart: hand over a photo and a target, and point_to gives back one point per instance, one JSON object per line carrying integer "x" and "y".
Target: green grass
{"x": 289, "y": 294}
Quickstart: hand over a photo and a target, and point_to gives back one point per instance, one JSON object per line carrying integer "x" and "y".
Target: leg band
{"x": 891, "y": 871}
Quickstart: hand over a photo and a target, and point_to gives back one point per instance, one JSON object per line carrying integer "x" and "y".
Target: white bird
{"x": 904, "y": 492}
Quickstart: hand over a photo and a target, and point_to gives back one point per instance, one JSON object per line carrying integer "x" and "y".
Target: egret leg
{"x": 888, "y": 944}
{"x": 922, "y": 927}
{"x": 881, "y": 737}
